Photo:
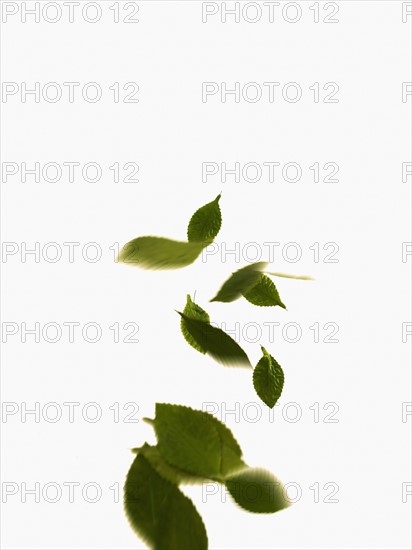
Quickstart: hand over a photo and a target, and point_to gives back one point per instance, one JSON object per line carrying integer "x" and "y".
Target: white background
{"x": 169, "y": 133}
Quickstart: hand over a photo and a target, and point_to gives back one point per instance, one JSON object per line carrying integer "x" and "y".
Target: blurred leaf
{"x": 239, "y": 282}
{"x": 257, "y": 490}
{"x": 159, "y": 512}
{"x": 193, "y": 311}
{"x": 264, "y": 293}
{"x": 215, "y": 342}
{"x": 196, "y": 442}
{"x": 205, "y": 223}
{"x": 159, "y": 253}
{"x": 268, "y": 379}
{"x": 286, "y": 276}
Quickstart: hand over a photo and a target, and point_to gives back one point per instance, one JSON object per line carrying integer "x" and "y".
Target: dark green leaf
{"x": 239, "y": 282}
{"x": 205, "y": 223}
{"x": 159, "y": 253}
{"x": 193, "y": 311}
{"x": 268, "y": 379}
{"x": 263, "y": 293}
{"x": 196, "y": 442}
{"x": 159, "y": 512}
{"x": 216, "y": 342}
{"x": 258, "y": 491}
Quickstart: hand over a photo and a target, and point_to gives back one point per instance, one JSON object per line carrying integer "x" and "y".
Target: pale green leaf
{"x": 205, "y": 223}
{"x": 264, "y": 293}
{"x": 287, "y": 276}
{"x": 159, "y": 512}
{"x": 159, "y": 253}
{"x": 268, "y": 379}
{"x": 257, "y": 490}
{"x": 217, "y": 343}
{"x": 239, "y": 282}
{"x": 193, "y": 311}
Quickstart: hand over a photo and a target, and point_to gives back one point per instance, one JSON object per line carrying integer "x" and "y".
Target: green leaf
{"x": 193, "y": 311}
{"x": 257, "y": 490}
{"x": 166, "y": 470}
{"x": 268, "y": 379}
{"x": 205, "y": 223}
{"x": 231, "y": 453}
{"x": 159, "y": 512}
{"x": 264, "y": 293}
{"x": 196, "y": 442}
{"x": 215, "y": 342}
{"x": 159, "y": 253}
{"x": 239, "y": 282}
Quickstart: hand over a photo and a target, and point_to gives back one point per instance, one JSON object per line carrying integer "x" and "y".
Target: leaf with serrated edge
{"x": 205, "y": 223}
{"x": 159, "y": 512}
{"x": 268, "y": 379}
{"x": 196, "y": 442}
{"x": 231, "y": 453}
{"x": 239, "y": 282}
{"x": 166, "y": 470}
{"x": 159, "y": 253}
{"x": 257, "y": 490}
{"x": 217, "y": 343}
{"x": 264, "y": 293}
{"x": 193, "y": 311}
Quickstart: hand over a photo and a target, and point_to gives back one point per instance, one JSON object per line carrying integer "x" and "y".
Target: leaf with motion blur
{"x": 239, "y": 282}
{"x": 217, "y": 343}
{"x": 264, "y": 293}
{"x": 268, "y": 379}
{"x": 257, "y": 490}
{"x": 205, "y": 223}
{"x": 286, "y": 276}
{"x": 159, "y": 253}
{"x": 193, "y": 311}
{"x": 159, "y": 512}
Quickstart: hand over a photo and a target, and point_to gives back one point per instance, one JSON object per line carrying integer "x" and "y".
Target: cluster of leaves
{"x": 268, "y": 377}
{"x": 192, "y": 447}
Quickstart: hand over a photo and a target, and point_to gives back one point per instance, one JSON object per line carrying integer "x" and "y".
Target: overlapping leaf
{"x": 239, "y": 282}
{"x": 196, "y": 442}
{"x": 166, "y": 470}
{"x": 268, "y": 379}
{"x": 214, "y": 341}
{"x": 264, "y": 293}
{"x": 159, "y": 512}
{"x": 193, "y": 311}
